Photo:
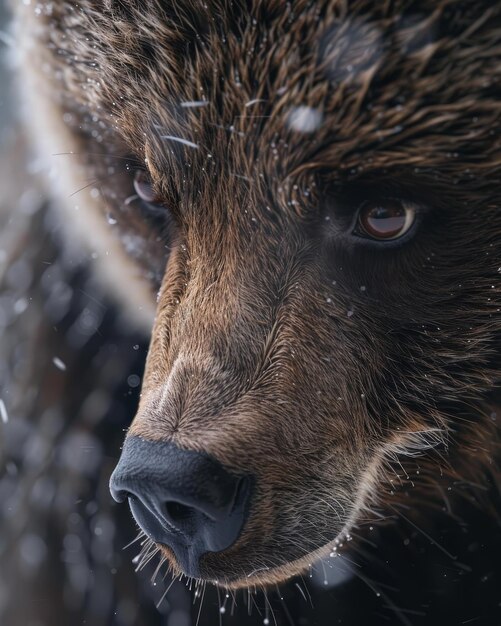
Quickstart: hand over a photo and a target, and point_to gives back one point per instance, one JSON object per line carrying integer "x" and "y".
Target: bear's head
{"x": 314, "y": 190}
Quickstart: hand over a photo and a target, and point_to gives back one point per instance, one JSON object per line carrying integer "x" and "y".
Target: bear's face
{"x": 318, "y": 184}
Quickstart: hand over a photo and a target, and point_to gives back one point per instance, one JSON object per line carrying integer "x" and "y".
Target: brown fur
{"x": 284, "y": 346}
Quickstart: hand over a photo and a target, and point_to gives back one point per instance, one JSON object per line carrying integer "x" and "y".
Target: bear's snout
{"x": 182, "y": 499}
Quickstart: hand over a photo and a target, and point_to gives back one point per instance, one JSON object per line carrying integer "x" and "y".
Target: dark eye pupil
{"x": 383, "y": 222}
{"x": 143, "y": 187}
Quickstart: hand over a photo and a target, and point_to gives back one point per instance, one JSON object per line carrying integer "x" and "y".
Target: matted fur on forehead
{"x": 394, "y": 84}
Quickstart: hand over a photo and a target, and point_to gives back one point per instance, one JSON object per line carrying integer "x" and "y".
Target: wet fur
{"x": 266, "y": 351}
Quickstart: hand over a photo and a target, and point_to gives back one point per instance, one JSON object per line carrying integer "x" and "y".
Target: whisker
{"x": 221, "y": 608}
{"x": 248, "y": 602}
{"x": 140, "y": 535}
{"x": 267, "y": 609}
{"x": 233, "y": 602}
{"x": 165, "y": 593}
{"x": 284, "y": 605}
{"x": 92, "y": 182}
{"x": 201, "y": 603}
{"x": 389, "y": 603}
{"x": 97, "y": 182}
{"x": 301, "y": 591}
{"x": 157, "y": 569}
{"x": 103, "y": 154}
{"x": 332, "y": 507}
{"x": 307, "y": 590}
{"x": 260, "y": 569}
{"x": 425, "y": 534}
{"x": 150, "y": 551}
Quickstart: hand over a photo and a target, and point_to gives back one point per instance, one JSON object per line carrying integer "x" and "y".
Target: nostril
{"x": 242, "y": 486}
{"x": 178, "y": 513}
{"x": 181, "y": 498}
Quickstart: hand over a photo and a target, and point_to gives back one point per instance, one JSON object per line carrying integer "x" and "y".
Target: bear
{"x": 302, "y": 201}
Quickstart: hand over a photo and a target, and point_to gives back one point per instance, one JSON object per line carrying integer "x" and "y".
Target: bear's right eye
{"x": 386, "y": 220}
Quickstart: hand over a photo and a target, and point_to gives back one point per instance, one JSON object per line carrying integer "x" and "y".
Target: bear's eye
{"x": 151, "y": 207}
{"x": 144, "y": 187}
{"x": 385, "y": 220}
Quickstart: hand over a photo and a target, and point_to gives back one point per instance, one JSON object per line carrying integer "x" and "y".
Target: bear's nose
{"x": 181, "y": 498}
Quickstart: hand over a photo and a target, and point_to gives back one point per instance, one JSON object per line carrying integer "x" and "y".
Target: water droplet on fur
{"x": 20, "y": 306}
{"x": 59, "y": 364}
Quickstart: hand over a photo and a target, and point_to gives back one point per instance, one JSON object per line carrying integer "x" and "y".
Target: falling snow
{"x": 305, "y": 119}
{"x": 185, "y": 142}
{"x": 59, "y": 364}
{"x": 3, "y": 412}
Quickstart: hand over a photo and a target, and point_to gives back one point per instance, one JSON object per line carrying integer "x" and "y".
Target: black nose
{"x": 181, "y": 498}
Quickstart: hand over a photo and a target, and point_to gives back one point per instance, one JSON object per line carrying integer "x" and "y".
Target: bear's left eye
{"x": 149, "y": 205}
{"x": 385, "y": 220}
{"x": 143, "y": 187}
